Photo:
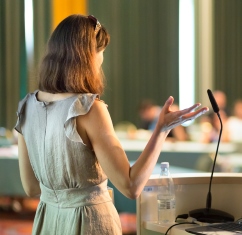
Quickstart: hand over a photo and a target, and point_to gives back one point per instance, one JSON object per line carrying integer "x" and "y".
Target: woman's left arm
{"x": 29, "y": 181}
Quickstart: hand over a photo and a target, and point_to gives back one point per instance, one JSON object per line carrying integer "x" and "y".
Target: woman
{"x": 67, "y": 144}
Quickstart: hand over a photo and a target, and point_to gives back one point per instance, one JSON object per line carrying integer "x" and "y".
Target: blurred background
{"x": 158, "y": 48}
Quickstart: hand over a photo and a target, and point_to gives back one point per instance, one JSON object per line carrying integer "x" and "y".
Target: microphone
{"x": 207, "y": 214}
{"x": 213, "y": 101}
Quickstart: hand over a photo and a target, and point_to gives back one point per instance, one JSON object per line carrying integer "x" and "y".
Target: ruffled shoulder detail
{"x": 21, "y": 106}
{"x": 80, "y": 106}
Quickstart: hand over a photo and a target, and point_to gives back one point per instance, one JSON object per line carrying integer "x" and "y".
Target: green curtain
{"x": 142, "y": 58}
{"x": 18, "y": 71}
{"x": 12, "y": 59}
{"x": 42, "y": 11}
{"x": 141, "y": 61}
{"x": 228, "y": 48}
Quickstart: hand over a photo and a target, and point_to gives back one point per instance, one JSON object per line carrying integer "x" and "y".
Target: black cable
{"x": 176, "y": 225}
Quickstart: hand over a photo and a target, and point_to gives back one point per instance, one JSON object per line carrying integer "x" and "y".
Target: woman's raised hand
{"x": 169, "y": 119}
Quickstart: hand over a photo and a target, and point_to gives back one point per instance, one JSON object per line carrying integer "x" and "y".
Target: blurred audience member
{"x": 149, "y": 112}
{"x": 210, "y": 128}
{"x": 221, "y": 100}
{"x": 210, "y": 124}
{"x": 235, "y": 122}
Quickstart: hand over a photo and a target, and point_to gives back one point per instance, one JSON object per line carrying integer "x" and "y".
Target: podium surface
{"x": 191, "y": 193}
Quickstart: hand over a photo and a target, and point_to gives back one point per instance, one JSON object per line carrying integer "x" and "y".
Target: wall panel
{"x": 142, "y": 58}
{"x": 228, "y": 48}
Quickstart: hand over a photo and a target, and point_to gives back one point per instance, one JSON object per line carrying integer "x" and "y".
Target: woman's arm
{"x": 99, "y": 129}
{"x": 29, "y": 181}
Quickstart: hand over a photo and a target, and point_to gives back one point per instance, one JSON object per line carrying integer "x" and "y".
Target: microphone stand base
{"x": 211, "y": 215}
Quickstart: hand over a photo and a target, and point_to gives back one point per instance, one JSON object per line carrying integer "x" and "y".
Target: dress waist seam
{"x": 72, "y": 198}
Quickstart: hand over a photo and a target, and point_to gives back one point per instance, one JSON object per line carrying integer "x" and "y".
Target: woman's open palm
{"x": 169, "y": 119}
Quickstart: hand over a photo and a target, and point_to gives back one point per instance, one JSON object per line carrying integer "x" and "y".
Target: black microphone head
{"x": 213, "y": 101}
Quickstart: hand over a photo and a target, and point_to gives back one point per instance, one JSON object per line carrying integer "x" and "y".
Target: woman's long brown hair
{"x": 69, "y": 65}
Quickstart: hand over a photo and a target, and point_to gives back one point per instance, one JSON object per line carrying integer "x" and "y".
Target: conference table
{"x": 182, "y": 157}
{"x": 180, "y": 153}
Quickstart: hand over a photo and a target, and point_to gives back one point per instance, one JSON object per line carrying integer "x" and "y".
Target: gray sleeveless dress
{"x": 74, "y": 197}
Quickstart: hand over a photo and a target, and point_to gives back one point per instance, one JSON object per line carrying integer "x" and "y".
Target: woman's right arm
{"x": 130, "y": 180}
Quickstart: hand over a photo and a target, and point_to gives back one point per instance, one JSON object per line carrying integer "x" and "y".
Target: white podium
{"x": 191, "y": 193}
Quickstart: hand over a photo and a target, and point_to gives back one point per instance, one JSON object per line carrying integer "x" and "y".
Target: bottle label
{"x": 150, "y": 188}
{"x": 166, "y": 210}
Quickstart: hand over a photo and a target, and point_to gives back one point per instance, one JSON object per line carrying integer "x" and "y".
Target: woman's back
{"x": 69, "y": 173}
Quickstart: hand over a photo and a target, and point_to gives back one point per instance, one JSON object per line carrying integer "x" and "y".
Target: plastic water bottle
{"x": 166, "y": 196}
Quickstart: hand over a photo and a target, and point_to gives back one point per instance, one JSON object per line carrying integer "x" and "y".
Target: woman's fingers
{"x": 195, "y": 114}
{"x": 180, "y": 119}
{"x": 168, "y": 103}
{"x": 190, "y": 109}
{"x": 175, "y": 118}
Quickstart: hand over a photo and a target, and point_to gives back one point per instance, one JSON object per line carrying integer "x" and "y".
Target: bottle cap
{"x": 164, "y": 164}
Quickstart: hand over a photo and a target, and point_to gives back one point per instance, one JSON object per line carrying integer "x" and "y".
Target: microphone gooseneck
{"x": 207, "y": 214}
{"x": 216, "y": 110}
{"x": 209, "y": 196}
